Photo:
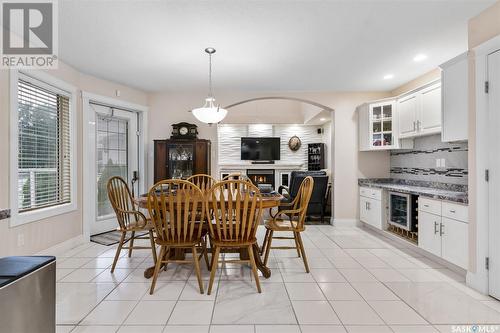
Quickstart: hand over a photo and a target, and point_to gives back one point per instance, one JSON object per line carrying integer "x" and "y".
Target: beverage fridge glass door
{"x": 399, "y": 210}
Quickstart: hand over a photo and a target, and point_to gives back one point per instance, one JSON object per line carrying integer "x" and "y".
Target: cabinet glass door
{"x": 381, "y": 125}
{"x": 180, "y": 160}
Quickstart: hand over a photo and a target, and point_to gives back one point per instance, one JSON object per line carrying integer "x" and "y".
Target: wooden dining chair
{"x": 129, "y": 218}
{"x": 236, "y": 206}
{"x": 290, "y": 219}
{"x": 204, "y": 182}
{"x": 177, "y": 209}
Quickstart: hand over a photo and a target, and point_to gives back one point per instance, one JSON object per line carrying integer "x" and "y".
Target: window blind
{"x": 44, "y": 165}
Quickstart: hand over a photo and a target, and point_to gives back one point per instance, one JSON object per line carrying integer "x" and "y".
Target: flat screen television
{"x": 260, "y": 149}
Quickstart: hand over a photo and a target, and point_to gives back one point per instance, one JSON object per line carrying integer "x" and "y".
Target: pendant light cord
{"x": 210, "y": 90}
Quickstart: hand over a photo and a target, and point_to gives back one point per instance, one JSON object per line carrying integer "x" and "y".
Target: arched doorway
{"x": 324, "y": 111}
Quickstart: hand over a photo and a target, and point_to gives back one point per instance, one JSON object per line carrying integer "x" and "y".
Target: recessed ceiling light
{"x": 420, "y": 57}
{"x": 388, "y": 76}
{"x": 322, "y": 119}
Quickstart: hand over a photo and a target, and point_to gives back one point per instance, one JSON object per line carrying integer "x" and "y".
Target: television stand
{"x": 262, "y": 162}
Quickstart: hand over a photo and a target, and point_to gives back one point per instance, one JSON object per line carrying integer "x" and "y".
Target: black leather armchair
{"x": 317, "y": 203}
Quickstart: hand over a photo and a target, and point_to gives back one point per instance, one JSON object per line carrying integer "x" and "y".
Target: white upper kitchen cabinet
{"x": 419, "y": 112}
{"x": 407, "y": 112}
{"x": 429, "y": 121}
{"x": 454, "y": 81}
{"x": 378, "y": 126}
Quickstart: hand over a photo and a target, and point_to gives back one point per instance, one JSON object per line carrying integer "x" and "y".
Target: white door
{"x": 454, "y": 242}
{"x": 429, "y": 118}
{"x": 407, "y": 110}
{"x": 494, "y": 161}
{"x": 116, "y": 154}
{"x": 429, "y": 238}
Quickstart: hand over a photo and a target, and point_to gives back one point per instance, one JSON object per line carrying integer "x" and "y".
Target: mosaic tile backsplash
{"x": 419, "y": 163}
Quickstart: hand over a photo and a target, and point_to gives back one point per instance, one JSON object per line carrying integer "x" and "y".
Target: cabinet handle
{"x": 418, "y": 125}
{"x": 441, "y": 229}
{"x": 426, "y": 205}
{"x": 452, "y": 211}
{"x": 368, "y": 205}
{"x": 435, "y": 227}
{"x": 414, "y": 126}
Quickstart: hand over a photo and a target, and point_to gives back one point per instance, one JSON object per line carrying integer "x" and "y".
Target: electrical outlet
{"x": 118, "y": 93}
{"x": 20, "y": 240}
{"x": 438, "y": 163}
{"x": 443, "y": 163}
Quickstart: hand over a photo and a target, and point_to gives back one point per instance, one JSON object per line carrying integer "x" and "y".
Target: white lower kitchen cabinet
{"x": 363, "y": 209}
{"x": 441, "y": 235}
{"x": 429, "y": 238}
{"x": 370, "y": 207}
{"x": 454, "y": 242}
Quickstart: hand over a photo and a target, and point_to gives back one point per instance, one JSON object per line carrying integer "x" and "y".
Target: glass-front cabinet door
{"x": 180, "y": 160}
{"x": 382, "y": 125}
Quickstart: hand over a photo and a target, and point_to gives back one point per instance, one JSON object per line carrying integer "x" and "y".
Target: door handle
{"x": 441, "y": 229}
{"x": 435, "y": 227}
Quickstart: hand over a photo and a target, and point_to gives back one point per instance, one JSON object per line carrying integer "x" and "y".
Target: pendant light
{"x": 210, "y": 113}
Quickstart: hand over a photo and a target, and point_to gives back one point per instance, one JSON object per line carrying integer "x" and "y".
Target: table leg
{"x": 266, "y": 272}
{"x": 180, "y": 255}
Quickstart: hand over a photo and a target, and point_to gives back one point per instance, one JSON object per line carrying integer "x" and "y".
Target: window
{"x": 44, "y": 152}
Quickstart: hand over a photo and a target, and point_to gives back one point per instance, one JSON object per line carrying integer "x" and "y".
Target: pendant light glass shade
{"x": 210, "y": 113}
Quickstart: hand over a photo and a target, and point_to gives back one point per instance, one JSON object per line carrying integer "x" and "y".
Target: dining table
{"x": 269, "y": 201}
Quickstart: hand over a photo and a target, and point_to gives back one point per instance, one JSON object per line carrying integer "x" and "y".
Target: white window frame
{"x": 41, "y": 79}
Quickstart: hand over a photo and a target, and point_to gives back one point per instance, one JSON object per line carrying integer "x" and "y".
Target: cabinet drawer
{"x": 429, "y": 206}
{"x": 370, "y": 193}
{"x": 455, "y": 211}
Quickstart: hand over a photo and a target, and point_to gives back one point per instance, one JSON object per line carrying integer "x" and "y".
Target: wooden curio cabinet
{"x": 181, "y": 158}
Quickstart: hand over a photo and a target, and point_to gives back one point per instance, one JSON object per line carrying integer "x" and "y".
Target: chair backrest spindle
{"x": 177, "y": 210}
{"x": 236, "y": 209}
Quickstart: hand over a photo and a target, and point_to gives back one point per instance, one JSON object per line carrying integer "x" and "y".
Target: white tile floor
{"x": 359, "y": 282}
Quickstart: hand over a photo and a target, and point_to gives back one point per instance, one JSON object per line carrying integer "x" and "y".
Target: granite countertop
{"x": 450, "y": 192}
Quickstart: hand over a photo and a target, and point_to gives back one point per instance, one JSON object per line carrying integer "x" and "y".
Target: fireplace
{"x": 261, "y": 176}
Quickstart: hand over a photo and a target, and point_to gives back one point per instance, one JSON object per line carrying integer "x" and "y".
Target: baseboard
{"x": 478, "y": 282}
{"x": 406, "y": 244}
{"x": 64, "y": 246}
{"x": 345, "y": 222}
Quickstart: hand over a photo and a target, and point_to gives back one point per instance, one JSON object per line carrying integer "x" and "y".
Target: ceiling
{"x": 262, "y": 45}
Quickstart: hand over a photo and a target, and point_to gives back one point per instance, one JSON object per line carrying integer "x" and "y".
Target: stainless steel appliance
{"x": 402, "y": 211}
{"x": 28, "y": 294}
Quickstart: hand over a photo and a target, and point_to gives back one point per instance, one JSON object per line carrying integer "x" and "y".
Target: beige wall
{"x": 348, "y": 163}
{"x": 484, "y": 26}
{"x": 42, "y": 234}
{"x": 418, "y": 82}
